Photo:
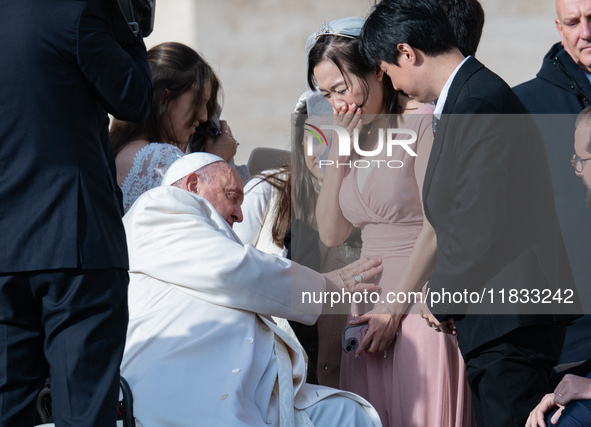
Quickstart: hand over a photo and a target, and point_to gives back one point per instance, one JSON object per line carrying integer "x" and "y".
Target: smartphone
{"x": 352, "y": 336}
{"x": 212, "y": 129}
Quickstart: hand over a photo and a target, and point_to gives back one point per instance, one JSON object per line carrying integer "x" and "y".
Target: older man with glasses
{"x": 571, "y": 400}
{"x": 583, "y": 149}
{"x": 560, "y": 90}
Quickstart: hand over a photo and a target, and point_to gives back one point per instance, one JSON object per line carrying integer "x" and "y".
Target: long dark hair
{"x": 281, "y": 181}
{"x": 297, "y": 188}
{"x": 178, "y": 69}
{"x": 295, "y": 185}
{"x": 305, "y": 185}
{"x": 344, "y": 53}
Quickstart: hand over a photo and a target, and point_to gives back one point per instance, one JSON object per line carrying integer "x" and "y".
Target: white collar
{"x": 443, "y": 95}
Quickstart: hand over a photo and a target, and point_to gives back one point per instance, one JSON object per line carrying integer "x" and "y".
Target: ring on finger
{"x": 358, "y": 278}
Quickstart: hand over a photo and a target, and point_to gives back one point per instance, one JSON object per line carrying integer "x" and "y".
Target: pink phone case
{"x": 352, "y": 336}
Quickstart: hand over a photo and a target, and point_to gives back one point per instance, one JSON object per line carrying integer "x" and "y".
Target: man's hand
{"x": 355, "y": 276}
{"x": 447, "y": 326}
{"x": 224, "y": 145}
{"x": 537, "y": 416}
{"x": 572, "y": 387}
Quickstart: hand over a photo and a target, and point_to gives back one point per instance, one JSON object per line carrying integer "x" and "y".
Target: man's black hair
{"x": 467, "y": 20}
{"x": 422, "y": 24}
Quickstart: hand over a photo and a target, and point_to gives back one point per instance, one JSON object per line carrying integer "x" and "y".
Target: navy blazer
{"x": 488, "y": 195}
{"x": 62, "y": 73}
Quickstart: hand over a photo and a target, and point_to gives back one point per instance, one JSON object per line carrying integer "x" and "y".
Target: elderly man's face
{"x": 582, "y": 139}
{"x": 225, "y": 193}
{"x": 574, "y": 25}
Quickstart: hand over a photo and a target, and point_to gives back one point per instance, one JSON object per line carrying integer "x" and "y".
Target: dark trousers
{"x": 576, "y": 414}
{"x": 509, "y": 375}
{"x": 69, "y": 323}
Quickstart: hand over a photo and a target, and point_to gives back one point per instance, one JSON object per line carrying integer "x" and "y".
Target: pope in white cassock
{"x": 201, "y": 350}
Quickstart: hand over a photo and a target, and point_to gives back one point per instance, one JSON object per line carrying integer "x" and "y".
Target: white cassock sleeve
{"x": 178, "y": 237}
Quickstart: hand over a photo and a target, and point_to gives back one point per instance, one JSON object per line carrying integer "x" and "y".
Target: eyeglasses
{"x": 578, "y": 163}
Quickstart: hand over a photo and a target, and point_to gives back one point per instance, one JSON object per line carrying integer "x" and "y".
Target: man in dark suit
{"x": 63, "y": 262}
{"x": 560, "y": 90}
{"x": 571, "y": 400}
{"x": 488, "y": 197}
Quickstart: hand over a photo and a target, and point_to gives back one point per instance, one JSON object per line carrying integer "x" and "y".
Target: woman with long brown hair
{"x": 186, "y": 93}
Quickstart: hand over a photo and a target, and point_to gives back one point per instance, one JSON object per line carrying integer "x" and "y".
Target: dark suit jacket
{"x": 488, "y": 195}
{"x": 62, "y": 72}
{"x": 560, "y": 91}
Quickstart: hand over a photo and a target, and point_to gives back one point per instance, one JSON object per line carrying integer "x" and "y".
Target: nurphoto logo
{"x": 386, "y": 137}
{"x": 315, "y": 131}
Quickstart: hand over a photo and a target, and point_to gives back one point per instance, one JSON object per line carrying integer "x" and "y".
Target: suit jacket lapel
{"x": 435, "y": 152}
{"x": 464, "y": 73}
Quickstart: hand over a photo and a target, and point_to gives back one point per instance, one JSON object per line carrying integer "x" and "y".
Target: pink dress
{"x": 421, "y": 380}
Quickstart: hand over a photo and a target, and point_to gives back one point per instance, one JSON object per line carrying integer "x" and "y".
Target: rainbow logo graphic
{"x": 315, "y": 131}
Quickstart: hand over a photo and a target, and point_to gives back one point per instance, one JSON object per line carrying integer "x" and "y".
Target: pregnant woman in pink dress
{"x": 412, "y": 374}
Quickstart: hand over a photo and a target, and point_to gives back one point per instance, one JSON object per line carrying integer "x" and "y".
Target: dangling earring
{"x": 380, "y": 78}
{"x": 161, "y": 109}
